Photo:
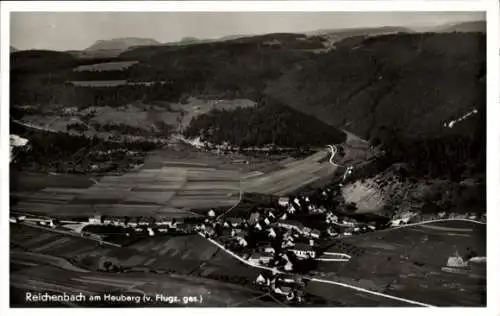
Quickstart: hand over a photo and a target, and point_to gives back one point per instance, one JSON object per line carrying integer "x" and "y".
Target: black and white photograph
{"x": 247, "y": 159}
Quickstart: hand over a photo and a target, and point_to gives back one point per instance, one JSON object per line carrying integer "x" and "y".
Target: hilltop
{"x": 363, "y": 84}
{"x": 474, "y": 26}
{"x": 121, "y": 43}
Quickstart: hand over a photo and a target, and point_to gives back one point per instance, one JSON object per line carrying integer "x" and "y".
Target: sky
{"x": 79, "y": 30}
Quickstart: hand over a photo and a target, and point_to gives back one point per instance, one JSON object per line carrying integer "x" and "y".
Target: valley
{"x": 315, "y": 169}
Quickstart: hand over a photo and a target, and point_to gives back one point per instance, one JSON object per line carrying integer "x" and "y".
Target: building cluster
{"x": 152, "y": 226}
{"x": 290, "y": 289}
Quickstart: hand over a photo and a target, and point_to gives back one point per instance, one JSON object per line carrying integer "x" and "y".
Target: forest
{"x": 65, "y": 153}
{"x": 409, "y": 83}
{"x": 269, "y": 123}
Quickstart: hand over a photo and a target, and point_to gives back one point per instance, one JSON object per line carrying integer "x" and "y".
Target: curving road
{"x": 316, "y": 279}
{"x": 334, "y": 151}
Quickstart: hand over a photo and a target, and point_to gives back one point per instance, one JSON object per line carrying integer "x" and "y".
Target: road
{"x": 275, "y": 270}
{"x": 334, "y": 150}
{"x": 433, "y": 221}
{"x": 316, "y": 279}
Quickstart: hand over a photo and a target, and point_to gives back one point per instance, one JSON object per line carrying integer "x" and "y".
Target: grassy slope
{"x": 407, "y": 262}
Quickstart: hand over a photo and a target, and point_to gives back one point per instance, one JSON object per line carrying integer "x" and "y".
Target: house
{"x": 284, "y": 216}
{"x": 395, "y": 222}
{"x": 262, "y": 280}
{"x": 254, "y": 218}
{"x": 269, "y": 249}
{"x": 151, "y": 232}
{"x": 331, "y": 231}
{"x": 211, "y": 213}
{"x": 265, "y": 247}
{"x": 303, "y": 251}
{"x": 291, "y": 224}
{"x": 315, "y": 233}
{"x": 267, "y": 221}
{"x": 95, "y": 220}
{"x": 288, "y": 266}
{"x": 271, "y": 233}
{"x": 236, "y": 232}
{"x": 209, "y": 232}
{"x": 260, "y": 258}
{"x": 283, "y": 201}
{"x": 166, "y": 222}
{"x": 348, "y": 223}
{"x": 236, "y": 221}
{"x": 291, "y": 209}
{"x": 306, "y": 231}
{"x": 242, "y": 242}
{"x": 258, "y": 227}
{"x": 331, "y": 218}
{"x": 287, "y": 244}
{"x": 163, "y": 229}
{"x": 456, "y": 261}
{"x": 288, "y": 237}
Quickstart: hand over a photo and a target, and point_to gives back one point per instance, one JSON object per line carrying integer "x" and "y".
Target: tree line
{"x": 270, "y": 122}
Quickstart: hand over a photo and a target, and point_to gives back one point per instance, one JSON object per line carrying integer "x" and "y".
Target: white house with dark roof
{"x": 242, "y": 242}
{"x": 260, "y": 258}
{"x": 271, "y": 233}
{"x": 315, "y": 233}
{"x": 283, "y": 201}
{"x": 95, "y": 220}
{"x": 303, "y": 251}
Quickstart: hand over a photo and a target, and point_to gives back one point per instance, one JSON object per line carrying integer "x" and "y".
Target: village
{"x": 286, "y": 238}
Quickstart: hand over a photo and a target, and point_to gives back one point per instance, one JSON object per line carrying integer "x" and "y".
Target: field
{"x": 408, "y": 262}
{"x": 173, "y": 182}
{"x": 109, "y": 66}
{"x": 137, "y": 115}
{"x": 291, "y": 176}
{"x": 50, "y": 279}
{"x": 184, "y": 265}
{"x": 43, "y": 260}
